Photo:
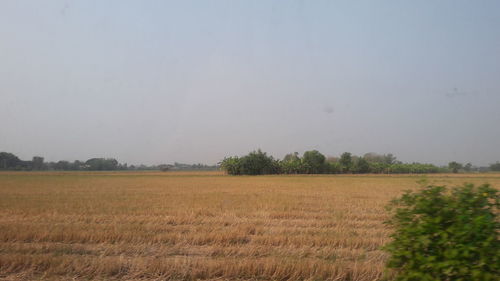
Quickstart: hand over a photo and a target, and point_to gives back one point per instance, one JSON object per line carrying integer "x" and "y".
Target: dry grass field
{"x": 190, "y": 226}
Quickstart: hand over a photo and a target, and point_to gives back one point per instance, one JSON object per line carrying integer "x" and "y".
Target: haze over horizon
{"x": 194, "y": 81}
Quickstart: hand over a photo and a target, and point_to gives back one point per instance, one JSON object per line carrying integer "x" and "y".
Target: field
{"x": 188, "y": 226}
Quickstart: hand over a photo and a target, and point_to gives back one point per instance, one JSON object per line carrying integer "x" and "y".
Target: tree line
{"x": 313, "y": 162}
{"x": 256, "y": 163}
{"x": 11, "y": 162}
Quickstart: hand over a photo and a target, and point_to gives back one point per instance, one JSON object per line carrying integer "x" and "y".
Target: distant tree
{"x": 314, "y": 162}
{"x": 231, "y": 165}
{"x": 495, "y": 167}
{"x": 291, "y": 157}
{"x": 291, "y": 164}
{"x": 37, "y": 163}
{"x": 291, "y": 167}
{"x": 468, "y": 167}
{"x": 333, "y": 168}
{"x": 390, "y": 159}
{"x": 258, "y": 163}
{"x": 379, "y": 167}
{"x": 77, "y": 165}
{"x": 123, "y": 166}
{"x": 62, "y": 165}
{"x": 111, "y": 164}
{"x": 346, "y": 162}
{"x": 9, "y": 161}
{"x": 361, "y": 166}
{"x": 164, "y": 167}
{"x": 372, "y": 157}
{"x": 332, "y": 159}
{"x": 255, "y": 163}
{"x": 455, "y": 166}
{"x": 413, "y": 168}
{"x": 101, "y": 164}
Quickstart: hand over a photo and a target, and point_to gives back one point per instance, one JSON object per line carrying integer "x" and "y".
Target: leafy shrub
{"x": 443, "y": 234}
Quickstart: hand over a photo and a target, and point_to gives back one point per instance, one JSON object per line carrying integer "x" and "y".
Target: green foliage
{"x": 255, "y": 163}
{"x": 379, "y": 168}
{"x": 372, "y": 157}
{"x": 443, "y": 234}
{"x": 313, "y": 162}
{"x": 292, "y": 157}
{"x": 333, "y": 168}
{"x": 361, "y": 166}
{"x": 291, "y": 166}
{"x": 346, "y": 162}
{"x": 101, "y": 164}
{"x": 413, "y": 168}
{"x": 455, "y": 166}
{"x": 231, "y": 165}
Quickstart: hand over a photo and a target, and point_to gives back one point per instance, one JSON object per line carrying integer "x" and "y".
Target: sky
{"x": 194, "y": 81}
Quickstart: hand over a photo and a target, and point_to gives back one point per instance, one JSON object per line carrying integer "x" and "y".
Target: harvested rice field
{"x": 198, "y": 226}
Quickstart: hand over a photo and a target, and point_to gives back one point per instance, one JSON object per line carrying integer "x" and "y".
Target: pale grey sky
{"x": 193, "y": 81}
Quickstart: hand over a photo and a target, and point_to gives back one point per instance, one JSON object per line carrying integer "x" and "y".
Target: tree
{"x": 291, "y": 157}
{"x": 231, "y": 165}
{"x": 495, "y": 167}
{"x": 37, "y": 163}
{"x": 362, "y": 166}
{"x": 314, "y": 162}
{"x": 257, "y": 163}
{"x": 373, "y": 157}
{"x": 333, "y": 168}
{"x": 62, "y": 165}
{"x": 346, "y": 162}
{"x": 291, "y": 164}
{"x": 163, "y": 167}
{"x": 390, "y": 159}
{"x": 332, "y": 159}
{"x": 455, "y": 166}
{"x": 468, "y": 167}
{"x": 9, "y": 161}
{"x": 77, "y": 165}
{"x": 101, "y": 164}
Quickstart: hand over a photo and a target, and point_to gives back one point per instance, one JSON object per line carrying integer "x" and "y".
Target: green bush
{"x": 255, "y": 163}
{"x": 442, "y": 234}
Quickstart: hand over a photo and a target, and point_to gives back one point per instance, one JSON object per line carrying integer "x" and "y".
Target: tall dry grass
{"x": 188, "y": 226}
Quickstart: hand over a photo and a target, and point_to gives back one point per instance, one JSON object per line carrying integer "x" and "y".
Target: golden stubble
{"x": 191, "y": 226}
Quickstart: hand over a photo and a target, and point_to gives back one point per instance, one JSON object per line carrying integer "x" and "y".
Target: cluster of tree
{"x": 9, "y": 161}
{"x": 313, "y": 162}
{"x": 495, "y": 167}
{"x": 456, "y": 167}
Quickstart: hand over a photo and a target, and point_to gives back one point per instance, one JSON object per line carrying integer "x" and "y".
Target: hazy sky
{"x": 193, "y": 81}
